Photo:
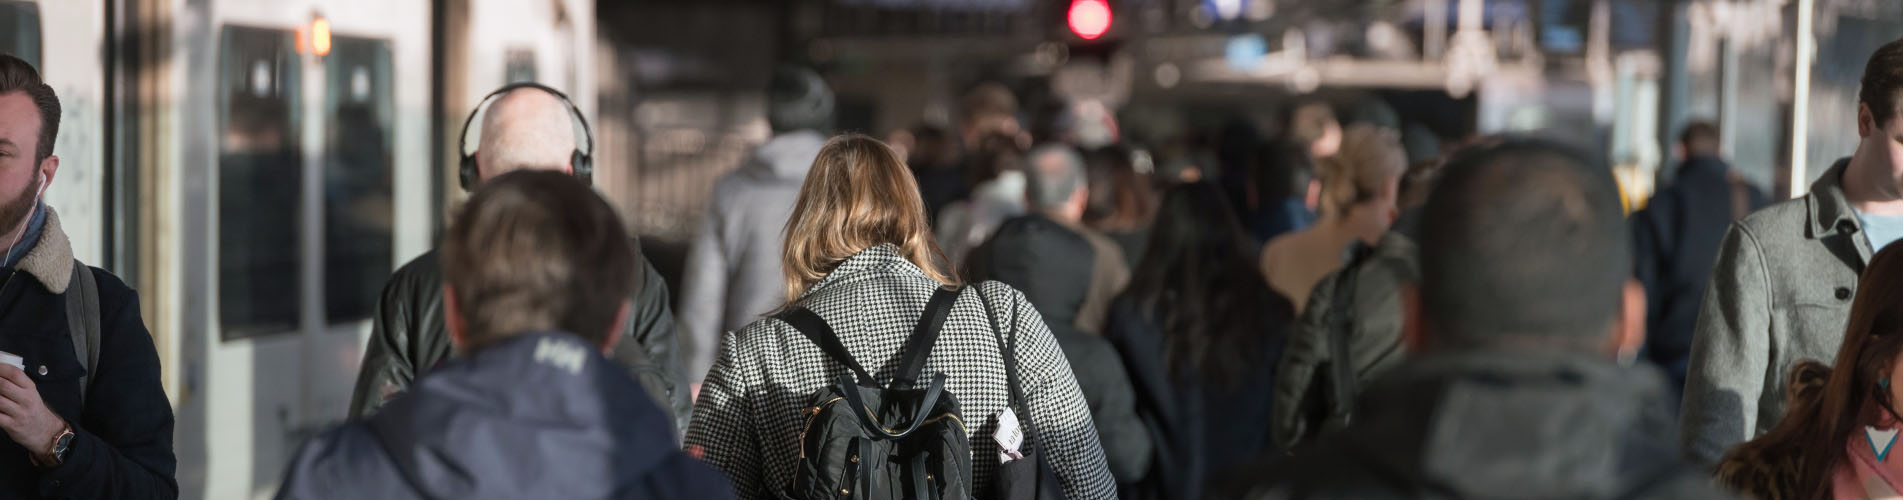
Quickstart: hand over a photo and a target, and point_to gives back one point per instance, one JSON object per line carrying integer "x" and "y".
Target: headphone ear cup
{"x": 467, "y": 173}
{"x": 584, "y": 167}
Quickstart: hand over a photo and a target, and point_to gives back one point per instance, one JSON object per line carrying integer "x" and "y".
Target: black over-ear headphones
{"x": 582, "y": 160}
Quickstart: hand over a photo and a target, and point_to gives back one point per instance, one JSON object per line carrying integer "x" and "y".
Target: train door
{"x": 291, "y": 223}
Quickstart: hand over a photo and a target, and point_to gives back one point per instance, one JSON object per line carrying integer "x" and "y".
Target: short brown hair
{"x": 1883, "y": 83}
{"x": 535, "y": 251}
{"x": 858, "y": 195}
{"x": 17, "y": 75}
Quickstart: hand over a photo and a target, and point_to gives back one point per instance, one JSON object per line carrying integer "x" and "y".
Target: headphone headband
{"x": 581, "y": 160}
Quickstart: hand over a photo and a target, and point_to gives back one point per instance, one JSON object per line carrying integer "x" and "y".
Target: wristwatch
{"x": 61, "y": 446}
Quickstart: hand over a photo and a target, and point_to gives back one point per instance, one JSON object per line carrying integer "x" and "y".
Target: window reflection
{"x": 259, "y": 173}
{"x": 20, "y": 31}
{"x": 358, "y": 210}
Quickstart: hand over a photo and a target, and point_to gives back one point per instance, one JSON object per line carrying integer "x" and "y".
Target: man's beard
{"x": 13, "y": 214}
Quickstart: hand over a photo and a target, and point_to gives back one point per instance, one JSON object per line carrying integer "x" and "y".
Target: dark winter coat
{"x": 1674, "y": 242}
{"x": 407, "y": 339}
{"x": 122, "y": 444}
{"x": 1201, "y": 427}
{"x": 542, "y": 415}
{"x": 1495, "y": 425}
{"x": 1302, "y": 380}
{"x": 1052, "y": 264}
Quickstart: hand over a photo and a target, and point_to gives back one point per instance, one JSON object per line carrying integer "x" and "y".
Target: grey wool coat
{"x": 1780, "y": 293}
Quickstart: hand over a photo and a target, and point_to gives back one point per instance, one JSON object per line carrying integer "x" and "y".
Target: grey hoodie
{"x": 733, "y": 270}
{"x": 542, "y": 415}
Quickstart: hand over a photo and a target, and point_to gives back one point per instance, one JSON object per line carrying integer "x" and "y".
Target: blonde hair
{"x": 1370, "y": 157}
{"x": 858, "y": 195}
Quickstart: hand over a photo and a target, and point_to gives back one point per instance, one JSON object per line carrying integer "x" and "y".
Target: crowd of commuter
{"x": 992, "y": 313}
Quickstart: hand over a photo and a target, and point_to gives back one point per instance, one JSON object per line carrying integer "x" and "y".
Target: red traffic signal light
{"x": 1089, "y": 19}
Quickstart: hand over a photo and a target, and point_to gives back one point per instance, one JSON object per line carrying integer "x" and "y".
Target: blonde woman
{"x": 1360, "y": 186}
{"x": 859, "y": 254}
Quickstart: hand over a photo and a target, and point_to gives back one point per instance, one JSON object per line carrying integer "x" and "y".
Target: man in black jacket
{"x": 81, "y": 404}
{"x": 1675, "y": 240}
{"x": 537, "y": 273}
{"x": 1051, "y": 264}
{"x": 1523, "y": 307}
{"x": 523, "y": 129}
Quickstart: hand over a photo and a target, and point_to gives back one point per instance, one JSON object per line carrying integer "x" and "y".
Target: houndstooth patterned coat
{"x": 747, "y": 420}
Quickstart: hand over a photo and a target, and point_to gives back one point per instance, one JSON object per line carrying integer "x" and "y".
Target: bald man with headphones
{"x": 523, "y": 126}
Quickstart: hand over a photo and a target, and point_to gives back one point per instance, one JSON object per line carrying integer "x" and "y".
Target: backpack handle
{"x": 859, "y": 406}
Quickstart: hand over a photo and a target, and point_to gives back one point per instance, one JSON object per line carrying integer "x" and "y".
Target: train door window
{"x": 519, "y": 66}
{"x": 358, "y": 208}
{"x": 260, "y": 178}
{"x": 20, "y": 31}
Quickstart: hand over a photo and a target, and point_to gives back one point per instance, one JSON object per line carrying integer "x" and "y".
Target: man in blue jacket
{"x": 537, "y": 271}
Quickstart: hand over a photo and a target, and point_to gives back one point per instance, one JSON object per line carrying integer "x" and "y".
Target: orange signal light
{"x": 320, "y": 36}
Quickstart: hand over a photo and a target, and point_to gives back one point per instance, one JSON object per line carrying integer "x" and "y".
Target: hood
{"x": 787, "y": 156}
{"x": 1047, "y": 261}
{"x": 1539, "y": 425}
{"x": 542, "y": 415}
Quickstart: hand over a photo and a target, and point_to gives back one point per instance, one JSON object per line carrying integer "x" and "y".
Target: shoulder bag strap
{"x": 821, "y": 334}
{"x": 1006, "y": 348}
{"x": 82, "y": 322}
{"x": 924, "y": 336}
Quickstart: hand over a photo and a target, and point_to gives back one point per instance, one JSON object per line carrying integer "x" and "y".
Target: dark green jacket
{"x": 407, "y": 338}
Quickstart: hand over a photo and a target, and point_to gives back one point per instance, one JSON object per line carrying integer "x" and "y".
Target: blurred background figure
{"x": 1058, "y": 195}
{"x": 1675, "y": 240}
{"x": 1359, "y": 189}
{"x": 1200, "y": 335}
{"x": 995, "y": 172}
{"x": 1122, "y": 201}
{"x": 733, "y": 268}
{"x": 1525, "y": 324}
{"x": 1284, "y": 173}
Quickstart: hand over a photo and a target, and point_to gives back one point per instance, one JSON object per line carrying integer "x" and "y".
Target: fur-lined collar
{"x": 51, "y": 259}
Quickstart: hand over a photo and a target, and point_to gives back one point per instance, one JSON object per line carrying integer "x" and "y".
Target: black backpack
{"x": 862, "y": 440}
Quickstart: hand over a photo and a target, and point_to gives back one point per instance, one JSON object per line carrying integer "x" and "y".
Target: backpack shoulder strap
{"x": 924, "y": 336}
{"x": 82, "y": 322}
{"x": 821, "y": 334}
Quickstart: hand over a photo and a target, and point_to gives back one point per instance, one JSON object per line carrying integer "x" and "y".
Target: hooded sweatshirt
{"x": 733, "y": 269}
{"x": 541, "y": 415}
{"x": 1052, "y": 265}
